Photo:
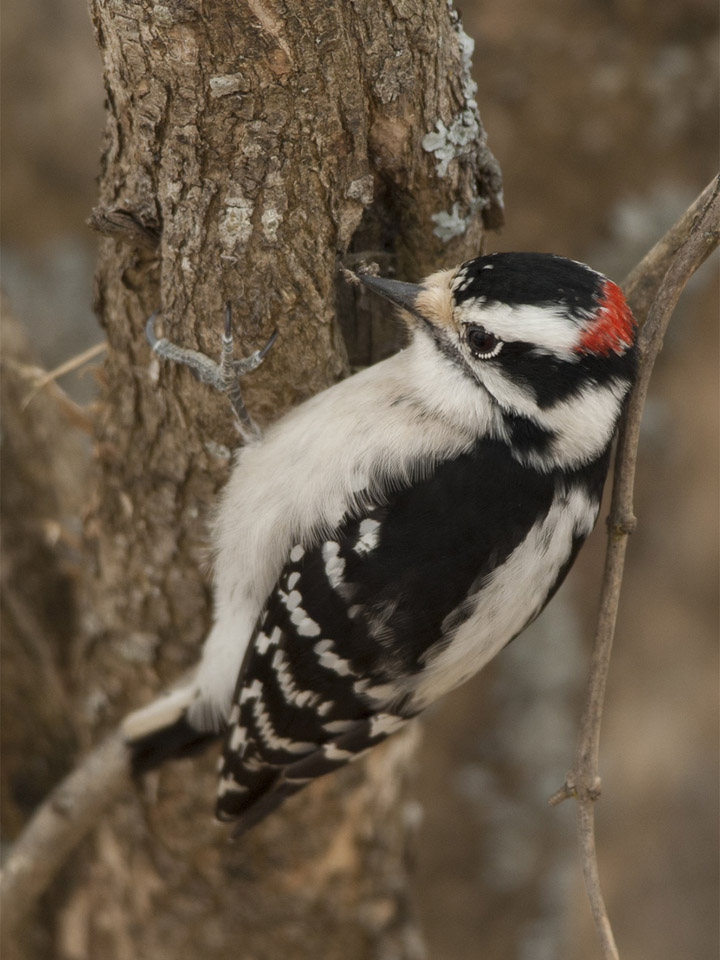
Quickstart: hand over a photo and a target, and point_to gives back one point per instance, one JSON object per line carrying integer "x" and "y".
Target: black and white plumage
{"x": 388, "y": 537}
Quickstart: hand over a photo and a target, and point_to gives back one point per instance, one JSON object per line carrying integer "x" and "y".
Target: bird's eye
{"x": 482, "y": 343}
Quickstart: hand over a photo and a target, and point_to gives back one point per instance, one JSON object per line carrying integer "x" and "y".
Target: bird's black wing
{"x": 352, "y": 618}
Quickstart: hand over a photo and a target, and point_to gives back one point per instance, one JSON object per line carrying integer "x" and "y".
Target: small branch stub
{"x": 621, "y": 528}
{"x": 125, "y": 225}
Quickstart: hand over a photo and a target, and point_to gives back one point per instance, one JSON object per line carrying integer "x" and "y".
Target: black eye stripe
{"x": 482, "y": 343}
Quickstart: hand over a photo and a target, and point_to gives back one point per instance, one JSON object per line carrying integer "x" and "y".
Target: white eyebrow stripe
{"x": 550, "y": 328}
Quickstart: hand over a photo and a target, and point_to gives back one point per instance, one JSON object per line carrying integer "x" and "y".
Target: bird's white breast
{"x": 510, "y": 597}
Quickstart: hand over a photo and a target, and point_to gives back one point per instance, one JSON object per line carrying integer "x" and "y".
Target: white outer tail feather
{"x": 161, "y": 713}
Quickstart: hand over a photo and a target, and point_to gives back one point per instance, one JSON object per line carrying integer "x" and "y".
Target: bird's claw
{"x": 223, "y": 375}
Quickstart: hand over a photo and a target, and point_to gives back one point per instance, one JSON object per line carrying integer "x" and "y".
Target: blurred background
{"x": 603, "y": 116}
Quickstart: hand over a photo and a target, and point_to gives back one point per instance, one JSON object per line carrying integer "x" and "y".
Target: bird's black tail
{"x": 161, "y": 731}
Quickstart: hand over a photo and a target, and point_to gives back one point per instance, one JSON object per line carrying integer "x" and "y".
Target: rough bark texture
{"x": 248, "y": 146}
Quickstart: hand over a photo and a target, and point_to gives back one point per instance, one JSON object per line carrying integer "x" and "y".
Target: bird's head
{"x": 548, "y": 340}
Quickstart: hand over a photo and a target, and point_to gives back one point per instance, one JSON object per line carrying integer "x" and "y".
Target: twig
{"x": 678, "y": 255}
{"x": 73, "y": 808}
{"x": 60, "y": 823}
{"x": 42, "y": 379}
{"x": 643, "y": 281}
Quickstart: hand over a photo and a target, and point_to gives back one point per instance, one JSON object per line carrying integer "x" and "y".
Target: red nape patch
{"x": 614, "y": 325}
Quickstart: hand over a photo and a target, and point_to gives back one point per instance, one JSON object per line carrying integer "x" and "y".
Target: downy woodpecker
{"x": 384, "y": 540}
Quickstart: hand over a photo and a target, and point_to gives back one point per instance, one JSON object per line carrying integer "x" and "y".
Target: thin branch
{"x": 59, "y": 824}
{"x": 75, "y": 806}
{"x": 75, "y": 415}
{"x": 643, "y": 281}
{"x": 678, "y": 255}
{"x": 42, "y": 379}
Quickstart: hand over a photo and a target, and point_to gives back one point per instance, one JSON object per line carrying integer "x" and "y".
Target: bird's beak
{"x": 403, "y": 294}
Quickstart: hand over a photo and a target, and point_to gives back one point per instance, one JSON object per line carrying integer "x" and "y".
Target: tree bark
{"x": 248, "y": 147}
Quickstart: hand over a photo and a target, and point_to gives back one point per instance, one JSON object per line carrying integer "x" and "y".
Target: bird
{"x": 385, "y": 539}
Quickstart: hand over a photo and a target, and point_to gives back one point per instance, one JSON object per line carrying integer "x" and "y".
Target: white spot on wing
{"x": 381, "y": 692}
{"x": 253, "y": 764}
{"x": 253, "y": 692}
{"x": 338, "y": 726}
{"x": 292, "y": 693}
{"x": 263, "y": 642}
{"x": 332, "y": 752}
{"x": 238, "y": 739}
{"x": 369, "y": 533}
{"x": 306, "y": 626}
{"x": 334, "y": 564}
{"x": 293, "y": 600}
{"x": 385, "y": 723}
{"x": 297, "y": 553}
{"x": 272, "y": 739}
{"x": 328, "y": 658}
{"x": 228, "y": 785}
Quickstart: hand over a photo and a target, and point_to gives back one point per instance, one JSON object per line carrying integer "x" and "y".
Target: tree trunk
{"x": 248, "y": 146}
